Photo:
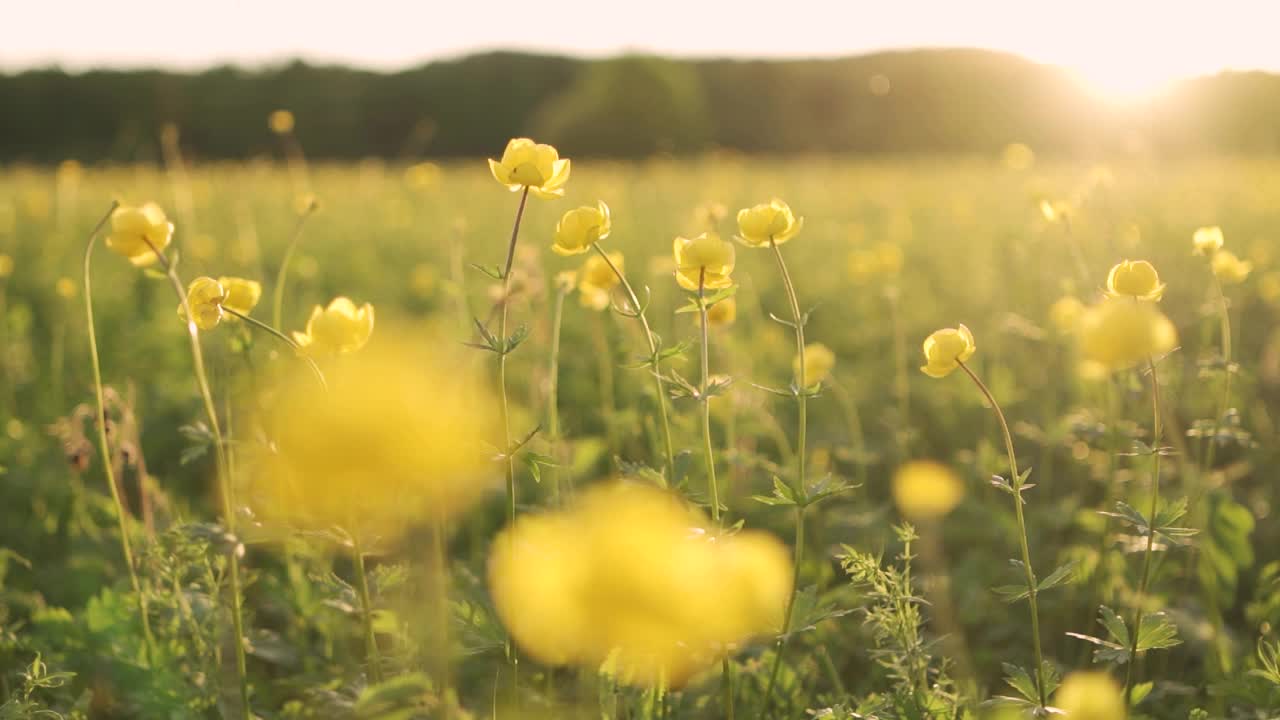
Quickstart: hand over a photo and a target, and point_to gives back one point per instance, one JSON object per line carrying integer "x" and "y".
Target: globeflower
{"x": 771, "y": 222}
{"x": 1207, "y": 240}
{"x": 581, "y": 228}
{"x": 1135, "y": 278}
{"x": 945, "y": 349}
{"x": 1090, "y": 695}
{"x": 818, "y": 362}
{"x": 926, "y": 490}
{"x": 205, "y": 297}
{"x": 1230, "y": 269}
{"x": 337, "y": 329}
{"x": 723, "y": 313}
{"x": 704, "y": 261}
{"x": 526, "y": 164}
{"x": 596, "y": 280}
{"x": 138, "y": 233}
{"x": 242, "y": 295}
{"x": 1117, "y": 334}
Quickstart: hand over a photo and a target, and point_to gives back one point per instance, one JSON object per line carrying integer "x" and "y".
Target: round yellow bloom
{"x": 1091, "y": 695}
{"x": 1119, "y": 333}
{"x": 280, "y": 122}
{"x": 818, "y": 362}
{"x": 134, "y": 230}
{"x": 1230, "y": 269}
{"x": 337, "y": 329}
{"x": 205, "y": 297}
{"x": 945, "y": 349}
{"x": 925, "y": 490}
{"x": 1065, "y": 314}
{"x": 1135, "y": 278}
{"x": 723, "y": 313}
{"x": 242, "y": 295}
{"x": 1207, "y": 240}
{"x": 66, "y": 288}
{"x": 705, "y": 260}
{"x": 581, "y": 228}
{"x": 6, "y": 266}
{"x": 771, "y": 221}
{"x": 526, "y": 164}
{"x": 596, "y": 281}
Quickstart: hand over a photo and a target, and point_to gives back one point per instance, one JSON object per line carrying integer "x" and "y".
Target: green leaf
{"x": 1020, "y": 680}
{"x": 1064, "y": 575}
{"x": 782, "y": 494}
{"x": 1157, "y": 633}
{"x": 399, "y": 698}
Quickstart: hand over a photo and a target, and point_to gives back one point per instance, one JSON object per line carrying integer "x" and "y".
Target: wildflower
{"x": 1091, "y": 695}
{"x": 242, "y": 295}
{"x": 526, "y": 164}
{"x": 423, "y": 175}
{"x": 280, "y": 122}
{"x": 205, "y": 297}
{"x": 6, "y": 266}
{"x": 1207, "y": 240}
{"x": 1018, "y": 156}
{"x": 945, "y": 349}
{"x": 66, "y": 288}
{"x": 581, "y": 228}
{"x": 703, "y": 261}
{"x": 1065, "y": 314}
{"x": 768, "y": 222}
{"x": 1135, "y": 278}
{"x": 818, "y": 361}
{"x": 723, "y": 313}
{"x": 1116, "y": 334}
{"x": 1230, "y": 269}
{"x": 135, "y": 231}
{"x": 596, "y": 280}
{"x": 926, "y": 490}
{"x": 338, "y": 329}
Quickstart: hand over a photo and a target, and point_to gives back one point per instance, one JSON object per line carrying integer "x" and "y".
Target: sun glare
{"x": 1129, "y": 80}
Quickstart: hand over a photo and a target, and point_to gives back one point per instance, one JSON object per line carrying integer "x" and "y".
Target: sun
{"x": 1130, "y": 79}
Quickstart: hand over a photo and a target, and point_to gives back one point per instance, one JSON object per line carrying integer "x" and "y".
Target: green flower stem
{"x": 440, "y": 568}
{"x": 854, "y": 421}
{"x": 553, "y": 393}
{"x": 658, "y": 384}
{"x": 1224, "y": 318}
{"x": 277, "y": 300}
{"x": 1149, "y": 553}
{"x": 1016, "y": 484}
{"x": 315, "y": 369}
{"x": 372, "y": 656}
{"x": 604, "y": 365}
{"x": 104, "y": 447}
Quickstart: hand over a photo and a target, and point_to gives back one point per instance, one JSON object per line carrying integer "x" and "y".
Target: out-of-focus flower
{"x": 945, "y": 349}
{"x": 581, "y": 228}
{"x": 242, "y": 295}
{"x": 526, "y": 164}
{"x": 926, "y": 490}
{"x": 423, "y": 175}
{"x": 6, "y": 266}
{"x": 705, "y": 260}
{"x": 1090, "y": 695}
{"x": 337, "y": 329}
{"x": 1136, "y": 279}
{"x": 818, "y": 362}
{"x": 596, "y": 280}
{"x": 1207, "y": 240}
{"x": 1065, "y": 314}
{"x": 565, "y": 281}
{"x": 205, "y": 297}
{"x": 1119, "y": 333}
{"x": 1018, "y": 156}
{"x": 66, "y": 288}
{"x": 885, "y": 259}
{"x": 69, "y": 172}
{"x": 132, "y": 228}
{"x": 1230, "y": 269}
{"x": 281, "y": 122}
{"x": 723, "y": 313}
{"x": 760, "y": 224}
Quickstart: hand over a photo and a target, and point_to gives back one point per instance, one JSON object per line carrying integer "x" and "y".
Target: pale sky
{"x": 1121, "y": 46}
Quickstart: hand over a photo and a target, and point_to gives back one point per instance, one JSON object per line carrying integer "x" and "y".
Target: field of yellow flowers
{"x": 903, "y": 438}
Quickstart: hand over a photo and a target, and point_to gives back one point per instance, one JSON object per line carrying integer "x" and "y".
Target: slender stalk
{"x": 553, "y": 393}
{"x": 658, "y": 384}
{"x": 277, "y": 299}
{"x": 1016, "y": 483}
{"x": 856, "y": 433}
{"x": 901, "y": 383}
{"x": 1224, "y": 317}
{"x": 1135, "y": 629}
{"x": 315, "y": 368}
{"x": 104, "y": 447}
{"x": 604, "y": 365}
{"x": 440, "y": 568}
{"x": 372, "y": 656}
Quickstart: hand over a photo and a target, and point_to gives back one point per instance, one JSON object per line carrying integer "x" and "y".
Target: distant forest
{"x": 899, "y": 102}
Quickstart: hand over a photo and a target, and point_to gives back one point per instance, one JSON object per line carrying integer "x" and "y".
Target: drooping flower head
{"x": 926, "y": 490}
{"x": 596, "y": 281}
{"x": 1207, "y": 240}
{"x": 945, "y": 349}
{"x": 1136, "y": 279}
{"x": 136, "y": 230}
{"x": 337, "y": 329}
{"x": 1116, "y": 334}
{"x": 706, "y": 259}
{"x": 1090, "y": 695}
{"x": 1230, "y": 269}
{"x": 526, "y": 164}
{"x": 242, "y": 295}
{"x": 205, "y": 297}
{"x": 581, "y": 228}
{"x": 771, "y": 221}
{"x": 818, "y": 362}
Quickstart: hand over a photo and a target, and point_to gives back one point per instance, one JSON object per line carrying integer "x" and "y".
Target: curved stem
{"x": 104, "y": 447}
{"x": 1149, "y": 553}
{"x": 277, "y": 300}
{"x": 372, "y": 656}
{"x": 315, "y": 369}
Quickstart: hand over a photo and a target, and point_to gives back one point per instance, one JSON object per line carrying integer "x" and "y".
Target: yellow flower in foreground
{"x": 132, "y": 228}
{"x": 704, "y": 260}
{"x": 1135, "y": 278}
{"x": 1118, "y": 333}
{"x": 771, "y": 221}
{"x": 1230, "y": 269}
{"x": 818, "y": 361}
{"x": 924, "y": 490}
{"x": 1091, "y": 695}
{"x": 1065, "y": 314}
{"x": 596, "y": 280}
{"x": 630, "y": 578}
{"x": 1207, "y": 240}
{"x": 722, "y": 314}
{"x": 242, "y": 295}
{"x": 945, "y": 349}
{"x": 205, "y": 297}
{"x": 526, "y": 164}
{"x": 337, "y": 329}
{"x": 581, "y": 228}
{"x": 397, "y": 439}
{"x": 280, "y": 122}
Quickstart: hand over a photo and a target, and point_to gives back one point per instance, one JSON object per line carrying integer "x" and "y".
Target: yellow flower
{"x": 6, "y": 266}
{"x": 1090, "y": 695}
{"x": 280, "y": 122}
{"x": 818, "y": 361}
{"x": 423, "y": 175}
{"x": 1207, "y": 240}
{"x": 132, "y": 228}
{"x": 242, "y": 295}
{"x": 596, "y": 280}
{"x": 771, "y": 221}
{"x": 526, "y": 164}
{"x": 723, "y": 313}
{"x": 205, "y": 297}
{"x": 1018, "y": 156}
{"x": 69, "y": 172}
{"x": 1229, "y": 268}
{"x": 581, "y": 228}
{"x": 1135, "y": 278}
{"x": 925, "y": 490}
{"x": 1065, "y": 314}
{"x": 337, "y": 329}
{"x": 945, "y": 349}
{"x": 1118, "y": 333}
{"x": 66, "y": 288}
{"x": 704, "y": 260}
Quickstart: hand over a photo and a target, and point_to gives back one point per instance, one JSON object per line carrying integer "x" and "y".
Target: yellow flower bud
{"x": 1119, "y": 333}
{"x": 925, "y": 490}
{"x": 242, "y": 295}
{"x": 338, "y": 329}
{"x": 768, "y": 222}
{"x": 596, "y": 280}
{"x": 1090, "y": 695}
{"x": 205, "y": 297}
{"x": 818, "y": 361}
{"x": 136, "y": 230}
{"x": 581, "y": 228}
{"x": 723, "y": 313}
{"x": 1207, "y": 240}
{"x": 1065, "y": 314}
{"x": 1230, "y": 269}
{"x": 1135, "y": 278}
{"x": 280, "y": 122}
{"x": 945, "y": 349}
{"x": 526, "y": 164}
{"x": 705, "y": 260}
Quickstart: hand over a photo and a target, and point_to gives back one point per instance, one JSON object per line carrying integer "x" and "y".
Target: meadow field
{"x": 343, "y": 501}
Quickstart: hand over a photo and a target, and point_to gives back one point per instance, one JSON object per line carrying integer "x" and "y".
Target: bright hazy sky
{"x": 1121, "y": 46}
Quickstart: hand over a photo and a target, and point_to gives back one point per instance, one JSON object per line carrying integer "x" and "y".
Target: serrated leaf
{"x": 1020, "y": 680}
{"x": 1157, "y": 632}
{"x": 1063, "y": 575}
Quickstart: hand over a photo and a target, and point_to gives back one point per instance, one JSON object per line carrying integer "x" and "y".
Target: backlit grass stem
{"x": 277, "y": 300}
{"x": 1149, "y": 552}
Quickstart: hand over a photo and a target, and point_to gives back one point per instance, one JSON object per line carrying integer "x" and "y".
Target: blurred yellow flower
{"x": 1090, "y": 695}
{"x": 69, "y": 172}
{"x": 242, "y": 295}
{"x": 722, "y": 314}
{"x": 6, "y": 266}
{"x": 1230, "y": 269}
{"x": 945, "y": 349}
{"x": 132, "y": 228}
{"x": 280, "y": 122}
{"x": 771, "y": 221}
{"x": 526, "y": 164}
{"x": 818, "y": 362}
{"x": 1018, "y": 156}
{"x": 705, "y": 260}
{"x": 1207, "y": 240}
{"x": 337, "y": 329}
{"x": 66, "y": 288}
{"x": 926, "y": 490}
{"x": 1065, "y": 314}
{"x": 1135, "y": 278}
{"x": 205, "y": 297}
{"x": 423, "y": 175}
{"x": 596, "y": 280}
{"x": 1119, "y": 333}
{"x": 581, "y": 228}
